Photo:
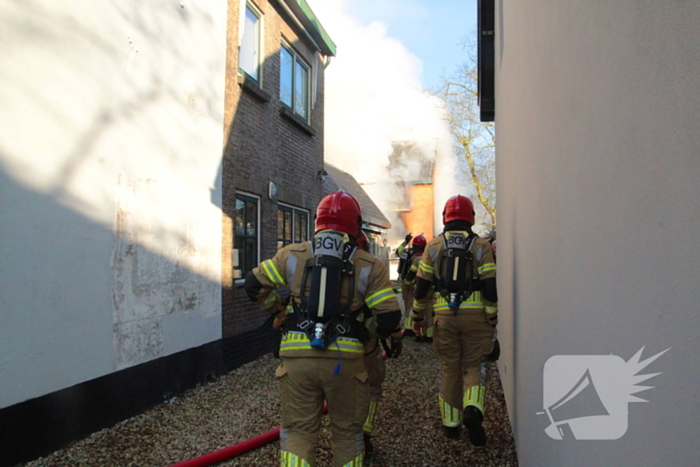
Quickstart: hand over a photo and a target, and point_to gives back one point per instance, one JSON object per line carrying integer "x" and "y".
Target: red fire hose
{"x": 232, "y": 451}
{"x": 237, "y": 449}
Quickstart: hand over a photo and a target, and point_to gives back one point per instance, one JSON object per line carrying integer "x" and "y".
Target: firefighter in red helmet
{"x": 461, "y": 268}
{"x": 408, "y": 286}
{"x": 328, "y": 281}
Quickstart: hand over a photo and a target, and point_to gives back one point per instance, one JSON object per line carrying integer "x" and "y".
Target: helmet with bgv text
{"x": 458, "y": 208}
{"x": 339, "y": 211}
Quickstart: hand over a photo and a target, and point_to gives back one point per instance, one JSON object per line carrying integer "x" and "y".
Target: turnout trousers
{"x": 462, "y": 342}
{"x": 304, "y": 383}
{"x": 376, "y": 369}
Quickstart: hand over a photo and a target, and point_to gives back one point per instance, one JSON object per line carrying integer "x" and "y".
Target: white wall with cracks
{"x": 111, "y": 135}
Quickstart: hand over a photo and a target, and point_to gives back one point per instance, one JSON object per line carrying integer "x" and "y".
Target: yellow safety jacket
{"x": 430, "y": 269}
{"x": 372, "y": 288}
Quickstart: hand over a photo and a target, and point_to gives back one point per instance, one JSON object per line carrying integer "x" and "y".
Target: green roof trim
{"x": 314, "y": 27}
{"x": 421, "y": 182}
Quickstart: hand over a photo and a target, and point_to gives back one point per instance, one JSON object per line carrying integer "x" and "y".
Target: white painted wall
{"x": 111, "y": 134}
{"x": 598, "y": 109}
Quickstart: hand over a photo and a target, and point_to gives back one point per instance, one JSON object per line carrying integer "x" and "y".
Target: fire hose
{"x": 234, "y": 450}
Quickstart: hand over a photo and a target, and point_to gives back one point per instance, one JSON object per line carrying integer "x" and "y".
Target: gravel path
{"x": 244, "y": 403}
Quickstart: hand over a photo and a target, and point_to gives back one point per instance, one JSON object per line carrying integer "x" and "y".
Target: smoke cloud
{"x": 373, "y": 96}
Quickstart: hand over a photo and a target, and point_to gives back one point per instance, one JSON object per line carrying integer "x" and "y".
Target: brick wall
{"x": 264, "y": 145}
{"x": 420, "y": 218}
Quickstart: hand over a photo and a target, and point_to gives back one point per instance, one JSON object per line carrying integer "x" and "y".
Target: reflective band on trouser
{"x": 369, "y": 421}
{"x": 408, "y": 323}
{"x": 378, "y": 297}
{"x": 472, "y": 303}
{"x": 425, "y": 268}
{"x": 294, "y": 340}
{"x": 356, "y": 462}
{"x": 486, "y": 267}
{"x": 475, "y": 396}
{"x": 451, "y": 416}
{"x": 292, "y": 460}
{"x": 272, "y": 273}
{"x": 490, "y": 310}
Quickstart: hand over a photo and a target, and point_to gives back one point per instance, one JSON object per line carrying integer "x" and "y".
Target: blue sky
{"x": 430, "y": 29}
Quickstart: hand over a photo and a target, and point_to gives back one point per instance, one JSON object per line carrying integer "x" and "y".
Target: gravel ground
{"x": 244, "y": 403}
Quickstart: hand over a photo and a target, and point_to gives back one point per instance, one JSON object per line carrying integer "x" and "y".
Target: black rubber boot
{"x": 368, "y": 443}
{"x": 452, "y": 432}
{"x": 472, "y": 421}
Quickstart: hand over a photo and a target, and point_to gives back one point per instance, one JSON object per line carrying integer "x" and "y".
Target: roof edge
{"x": 308, "y": 19}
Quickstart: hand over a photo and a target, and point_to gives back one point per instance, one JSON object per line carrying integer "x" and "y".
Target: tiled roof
{"x": 339, "y": 180}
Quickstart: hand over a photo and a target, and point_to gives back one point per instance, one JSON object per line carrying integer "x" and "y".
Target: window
{"x": 292, "y": 226}
{"x": 249, "y": 51}
{"x": 246, "y": 232}
{"x": 294, "y": 82}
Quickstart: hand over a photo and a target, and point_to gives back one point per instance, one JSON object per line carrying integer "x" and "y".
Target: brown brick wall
{"x": 263, "y": 146}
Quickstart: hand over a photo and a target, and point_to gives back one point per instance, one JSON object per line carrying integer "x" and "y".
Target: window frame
{"x": 249, "y": 198}
{"x": 258, "y": 44}
{"x": 294, "y": 211}
{"x": 297, "y": 60}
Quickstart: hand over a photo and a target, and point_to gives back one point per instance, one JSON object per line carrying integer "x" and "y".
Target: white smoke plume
{"x": 373, "y": 96}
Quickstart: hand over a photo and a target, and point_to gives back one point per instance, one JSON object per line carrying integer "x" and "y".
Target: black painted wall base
{"x": 40, "y": 426}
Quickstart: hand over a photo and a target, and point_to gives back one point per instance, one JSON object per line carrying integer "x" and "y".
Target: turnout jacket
{"x": 482, "y": 300}
{"x": 372, "y": 287}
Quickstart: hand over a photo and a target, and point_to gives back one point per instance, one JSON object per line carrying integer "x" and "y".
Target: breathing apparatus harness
{"x": 327, "y": 274}
{"x": 459, "y": 278}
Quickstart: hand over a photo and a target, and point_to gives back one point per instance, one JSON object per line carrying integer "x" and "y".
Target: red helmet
{"x": 339, "y": 211}
{"x": 363, "y": 241}
{"x": 419, "y": 241}
{"x": 458, "y": 208}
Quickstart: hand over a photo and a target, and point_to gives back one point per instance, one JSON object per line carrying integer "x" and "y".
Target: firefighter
{"x": 408, "y": 288}
{"x": 466, "y": 316}
{"x": 404, "y": 253}
{"x": 376, "y": 366}
{"x": 329, "y": 281}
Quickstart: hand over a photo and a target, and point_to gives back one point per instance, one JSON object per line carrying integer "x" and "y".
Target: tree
{"x": 475, "y": 140}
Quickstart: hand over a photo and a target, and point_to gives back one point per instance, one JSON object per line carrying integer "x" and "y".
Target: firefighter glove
{"x": 495, "y": 352}
{"x": 419, "y": 326}
{"x": 280, "y": 317}
{"x": 408, "y": 238}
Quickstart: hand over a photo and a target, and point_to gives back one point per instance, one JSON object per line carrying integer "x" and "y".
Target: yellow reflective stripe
{"x": 377, "y": 298}
{"x": 486, "y": 267}
{"x": 272, "y": 273}
{"x": 356, "y": 462}
{"x": 294, "y": 340}
{"x": 418, "y": 306}
{"x": 425, "y": 268}
{"x": 414, "y": 267}
{"x": 451, "y": 416}
{"x": 491, "y": 309}
{"x": 369, "y": 421}
{"x": 270, "y": 300}
{"x": 408, "y": 323}
{"x": 292, "y": 460}
{"x": 475, "y": 396}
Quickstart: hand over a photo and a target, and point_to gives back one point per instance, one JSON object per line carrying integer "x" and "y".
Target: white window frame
{"x": 297, "y": 59}
{"x": 258, "y": 41}
{"x": 257, "y": 231}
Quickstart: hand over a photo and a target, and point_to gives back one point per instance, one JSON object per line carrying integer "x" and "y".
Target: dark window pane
{"x": 288, "y": 227}
{"x": 251, "y": 219}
